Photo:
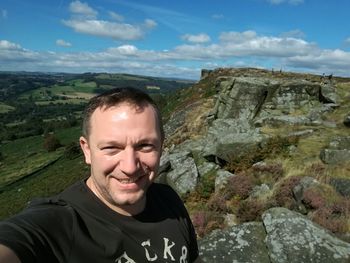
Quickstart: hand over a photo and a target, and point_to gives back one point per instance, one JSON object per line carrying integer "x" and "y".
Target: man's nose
{"x": 129, "y": 162}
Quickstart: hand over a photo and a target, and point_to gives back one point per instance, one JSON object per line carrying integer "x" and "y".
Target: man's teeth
{"x": 128, "y": 180}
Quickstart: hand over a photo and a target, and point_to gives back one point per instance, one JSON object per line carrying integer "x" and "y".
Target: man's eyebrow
{"x": 113, "y": 142}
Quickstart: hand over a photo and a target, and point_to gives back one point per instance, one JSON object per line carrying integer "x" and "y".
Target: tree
{"x": 51, "y": 143}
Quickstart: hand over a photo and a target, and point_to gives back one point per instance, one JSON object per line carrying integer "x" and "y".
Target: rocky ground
{"x": 262, "y": 160}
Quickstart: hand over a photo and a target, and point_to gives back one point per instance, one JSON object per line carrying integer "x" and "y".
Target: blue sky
{"x": 174, "y": 38}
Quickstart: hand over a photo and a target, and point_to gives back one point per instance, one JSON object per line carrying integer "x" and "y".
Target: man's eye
{"x": 145, "y": 147}
{"x": 110, "y": 149}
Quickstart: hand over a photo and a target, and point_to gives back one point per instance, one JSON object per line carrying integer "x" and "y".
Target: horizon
{"x": 174, "y": 40}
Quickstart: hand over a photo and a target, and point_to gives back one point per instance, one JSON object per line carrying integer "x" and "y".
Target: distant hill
{"x": 13, "y": 84}
{"x": 35, "y": 103}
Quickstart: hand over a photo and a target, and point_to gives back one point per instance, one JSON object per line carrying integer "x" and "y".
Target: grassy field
{"x": 49, "y": 181}
{"x": 75, "y": 92}
{"x": 33, "y": 172}
{"x": 5, "y": 108}
{"x": 120, "y": 76}
{"x": 32, "y": 154}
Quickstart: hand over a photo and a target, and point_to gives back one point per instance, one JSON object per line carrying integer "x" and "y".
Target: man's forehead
{"x": 125, "y": 105}
{"x": 123, "y": 111}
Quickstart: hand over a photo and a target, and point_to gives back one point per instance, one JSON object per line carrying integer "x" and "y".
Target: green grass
{"x": 47, "y": 182}
{"x": 4, "y": 108}
{"x": 36, "y": 94}
{"x": 26, "y": 156}
{"x": 78, "y": 85}
{"x": 40, "y": 173}
{"x": 69, "y": 135}
{"x": 76, "y": 92}
{"x": 120, "y": 76}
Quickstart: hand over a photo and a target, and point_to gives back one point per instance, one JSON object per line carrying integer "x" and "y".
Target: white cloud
{"x": 116, "y": 16}
{"x": 103, "y": 28}
{"x": 7, "y": 45}
{"x": 149, "y": 23}
{"x": 294, "y": 34}
{"x": 62, "y": 43}
{"x": 82, "y": 9}
{"x": 337, "y": 59}
{"x": 237, "y": 37}
{"x": 12, "y": 53}
{"x": 4, "y": 13}
{"x": 200, "y": 38}
{"x": 126, "y": 50}
{"x": 233, "y": 49}
{"x": 84, "y": 20}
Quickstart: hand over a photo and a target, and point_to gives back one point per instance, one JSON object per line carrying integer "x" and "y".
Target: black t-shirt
{"x": 76, "y": 226}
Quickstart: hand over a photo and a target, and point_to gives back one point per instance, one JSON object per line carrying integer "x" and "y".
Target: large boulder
{"x": 284, "y": 236}
{"x": 241, "y": 97}
{"x": 231, "y": 137}
{"x": 180, "y": 173}
{"x": 337, "y": 152}
{"x": 241, "y": 243}
{"x": 293, "y": 238}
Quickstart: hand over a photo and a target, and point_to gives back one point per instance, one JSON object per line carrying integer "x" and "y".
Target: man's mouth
{"x": 134, "y": 179}
{"x": 129, "y": 180}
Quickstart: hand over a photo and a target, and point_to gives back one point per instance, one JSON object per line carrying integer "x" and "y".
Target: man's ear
{"x": 84, "y": 144}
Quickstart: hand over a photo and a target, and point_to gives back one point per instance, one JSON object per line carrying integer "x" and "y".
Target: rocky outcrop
{"x": 337, "y": 152}
{"x": 291, "y": 237}
{"x": 243, "y": 243}
{"x": 246, "y": 103}
{"x": 181, "y": 172}
{"x": 231, "y": 137}
{"x": 284, "y": 236}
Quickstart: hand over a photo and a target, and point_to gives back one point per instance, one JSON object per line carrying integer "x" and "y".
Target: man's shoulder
{"x": 163, "y": 189}
{"x": 48, "y": 209}
{"x": 162, "y": 193}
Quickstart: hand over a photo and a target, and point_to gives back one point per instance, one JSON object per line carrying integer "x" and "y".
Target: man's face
{"x": 123, "y": 149}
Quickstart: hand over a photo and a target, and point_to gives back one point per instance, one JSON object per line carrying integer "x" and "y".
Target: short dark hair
{"x": 114, "y": 97}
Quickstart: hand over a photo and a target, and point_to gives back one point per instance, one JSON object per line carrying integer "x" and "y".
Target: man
{"x": 118, "y": 214}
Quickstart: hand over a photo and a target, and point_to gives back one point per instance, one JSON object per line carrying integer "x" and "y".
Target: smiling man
{"x": 118, "y": 214}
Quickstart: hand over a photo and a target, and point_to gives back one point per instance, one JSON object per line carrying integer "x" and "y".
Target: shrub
{"x": 284, "y": 192}
{"x": 275, "y": 169}
{"x": 273, "y": 146}
{"x": 206, "y": 221}
{"x": 326, "y": 218}
{"x": 268, "y": 173}
{"x": 313, "y": 198}
{"x": 239, "y": 186}
{"x": 331, "y": 210}
{"x": 51, "y": 143}
{"x": 206, "y": 185}
{"x": 217, "y": 203}
{"x": 316, "y": 170}
{"x": 342, "y": 206}
{"x": 250, "y": 210}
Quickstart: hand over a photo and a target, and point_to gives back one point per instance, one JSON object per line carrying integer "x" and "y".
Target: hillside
{"x": 35, "y": 103}
{"x": 249, "y": 151}
{"x": 242, "y": 143}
